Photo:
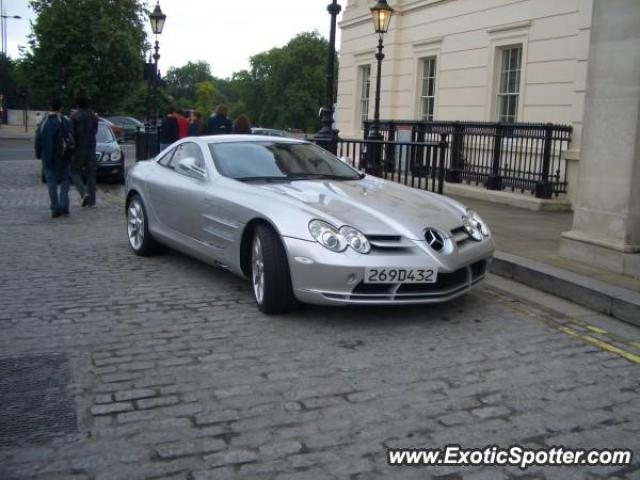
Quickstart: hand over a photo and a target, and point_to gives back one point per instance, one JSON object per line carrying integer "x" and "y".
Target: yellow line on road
{"x": 570, "y": 331}
{"x": 603, "y": 345}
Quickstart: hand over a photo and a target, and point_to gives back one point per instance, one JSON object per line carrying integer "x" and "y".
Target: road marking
{"x": 562, "y": 326}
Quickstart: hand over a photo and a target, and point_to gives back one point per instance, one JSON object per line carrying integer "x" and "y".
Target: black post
{"x": 374, "y": 161}
{"x": 441, "y": 162}
{"x": 543, "y": 186}
{"x": 327, "y": 136}
{"x": 494, "y": 182}
{"x": 153, "y": 120}
{"x": 454, "y": 174}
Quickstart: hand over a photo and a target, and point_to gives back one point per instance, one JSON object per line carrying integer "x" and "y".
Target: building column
{"x": 606, "y": 220}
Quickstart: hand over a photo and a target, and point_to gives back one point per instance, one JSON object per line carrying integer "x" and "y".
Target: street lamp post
{"x": 157, "y": 19}
{"x": 327, "y": 137}
{"x": 381, "y": 13}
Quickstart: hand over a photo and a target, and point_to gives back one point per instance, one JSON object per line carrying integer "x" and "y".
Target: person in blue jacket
{"x": 54, "y": 146}
{"x": 220, "y": 123}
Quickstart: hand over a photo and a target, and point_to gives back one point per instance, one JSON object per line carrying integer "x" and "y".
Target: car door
{"x": 178, "y": 197}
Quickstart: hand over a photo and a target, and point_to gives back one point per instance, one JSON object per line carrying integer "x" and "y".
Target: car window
{"x": 166, "y": 158}
{"x": 104, "y": 134}
{"x": 192, "y": 150}
{"x": 273, "y": 159}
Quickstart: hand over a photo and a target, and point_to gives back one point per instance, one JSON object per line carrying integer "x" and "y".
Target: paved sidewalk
{"x": 15, "y": 132}
{"x": 527, "y": 245}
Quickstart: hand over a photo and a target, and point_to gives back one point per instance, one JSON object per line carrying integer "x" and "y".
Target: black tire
{"x": 119, "y": 178}
{"x": 277, "y": 293}
{"x": 147, "y": 245}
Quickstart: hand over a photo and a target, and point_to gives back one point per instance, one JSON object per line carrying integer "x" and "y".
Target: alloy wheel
{"x": 257, "y": 269}
{"x": 135, "y": 224}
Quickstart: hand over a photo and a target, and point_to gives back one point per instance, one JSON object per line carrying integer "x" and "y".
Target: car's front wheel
{"x": 270, "y": 276}
{"x": 140, "y": 239}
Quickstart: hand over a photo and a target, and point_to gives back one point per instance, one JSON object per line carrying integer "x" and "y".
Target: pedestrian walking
{"x": 183, "y": 124}
{"x": 219, "y": 124}
{"x": 196, "y": 127}
{"x": 54, "y": 145}
{"x": 83, "y": 164}
{"x": 169, "y": 130}
{"x": 242, "y": 125}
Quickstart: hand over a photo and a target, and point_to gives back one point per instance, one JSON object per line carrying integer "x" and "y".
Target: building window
{"x": 428, "y": 93}
{"x": 509, "y": 88}
{"x": 365, "y": 87}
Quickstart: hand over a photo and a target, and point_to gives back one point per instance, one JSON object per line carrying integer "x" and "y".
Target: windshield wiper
{"x": 319, "y": 176}
{"x": 263, "y": 179}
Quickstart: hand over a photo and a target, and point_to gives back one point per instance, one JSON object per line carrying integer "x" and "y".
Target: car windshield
{"x": 104, "y": 134}
{"x": 278, "y": 161}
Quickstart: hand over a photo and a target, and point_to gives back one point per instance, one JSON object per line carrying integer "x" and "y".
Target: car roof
{"x": 247, "y": 138}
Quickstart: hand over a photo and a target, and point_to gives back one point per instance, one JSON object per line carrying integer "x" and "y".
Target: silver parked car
{"x": 302, "y": 225}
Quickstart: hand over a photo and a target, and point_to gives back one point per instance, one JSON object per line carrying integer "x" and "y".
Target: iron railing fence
{"x": 519, "y": 156}
{"x": 416, "y": 164}
{"x": 147, "y": 142}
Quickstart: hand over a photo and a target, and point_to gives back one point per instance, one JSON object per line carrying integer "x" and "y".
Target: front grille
{"x": 447, "y": 284}
{"x": 445, "y": 281}
{"x": 460, "y": 236}
{"x": 389, "y": 243}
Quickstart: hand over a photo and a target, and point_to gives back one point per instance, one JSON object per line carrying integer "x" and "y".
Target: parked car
{"x": 109, "y": 156}
{"x": 303, "y": 225}
{"x": 118, "y": 131}
{"x": 271, "y": 132}
{"x": 129, "y": 124}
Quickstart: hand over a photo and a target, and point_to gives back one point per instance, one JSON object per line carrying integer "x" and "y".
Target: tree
{"x": 90, "y": 46}
{"x": 181, "y": 82}
{"x": 207, "y": 97}
{"x": 285, "y": 86}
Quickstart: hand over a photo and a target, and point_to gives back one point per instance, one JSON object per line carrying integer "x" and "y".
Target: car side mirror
{"x": 189, "y": 166}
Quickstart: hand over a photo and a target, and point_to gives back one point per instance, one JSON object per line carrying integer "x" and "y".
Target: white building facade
{"x": 479, "y": 60}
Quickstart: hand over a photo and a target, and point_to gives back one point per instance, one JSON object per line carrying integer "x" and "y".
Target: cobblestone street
{"x": 114, "y": 366}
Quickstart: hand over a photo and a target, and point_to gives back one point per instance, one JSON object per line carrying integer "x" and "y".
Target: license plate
{"x": 400, "y": 275}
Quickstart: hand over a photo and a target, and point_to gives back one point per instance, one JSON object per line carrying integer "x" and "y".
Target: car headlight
{"x": 337, "y": 240}
{"x": 327, "y": 236}
{"x": 355, "y": 239}
{"x": 116, "y": 155}
{"x": 475, "y": 226}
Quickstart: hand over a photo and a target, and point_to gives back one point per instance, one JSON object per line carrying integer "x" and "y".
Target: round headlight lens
{"x": 327, "y": 236}
{"x": 115, "y": 155}
{"x": 356, "y": 239}
{"x": 475, "y": 226}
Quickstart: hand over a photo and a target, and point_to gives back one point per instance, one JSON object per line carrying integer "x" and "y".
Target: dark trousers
{"x": 58, "y": 187}
{"x": 83, "y": 173}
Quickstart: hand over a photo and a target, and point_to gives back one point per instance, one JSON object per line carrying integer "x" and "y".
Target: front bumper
{"x": 322, "y": 277}
{"x": 109, "y": 169}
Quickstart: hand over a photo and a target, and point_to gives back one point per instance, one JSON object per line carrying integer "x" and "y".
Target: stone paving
{"x": 167, "y": 370}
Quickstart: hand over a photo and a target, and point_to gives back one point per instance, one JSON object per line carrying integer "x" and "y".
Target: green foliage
{"x": 207, "y": 97}
{"x": 285, "y": 86}
{"x": 91, "y": 46}
{"x": 181, "y": 81}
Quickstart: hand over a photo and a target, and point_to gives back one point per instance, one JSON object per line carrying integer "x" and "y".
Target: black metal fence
{"x": 416, "y": 164}
{"x": 147, "y": 142}
{"x": 519, "y": 156}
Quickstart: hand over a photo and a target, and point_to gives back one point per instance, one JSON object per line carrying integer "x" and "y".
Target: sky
{"x": 224, "y": 33}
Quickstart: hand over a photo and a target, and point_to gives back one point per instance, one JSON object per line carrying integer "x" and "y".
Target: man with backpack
{"x": 54, "y": 146}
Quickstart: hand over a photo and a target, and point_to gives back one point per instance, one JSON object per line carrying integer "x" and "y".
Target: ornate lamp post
{"x": 157, "y": 19}
{"x": 327, "y": 137}
{"x": 381, "y": 13}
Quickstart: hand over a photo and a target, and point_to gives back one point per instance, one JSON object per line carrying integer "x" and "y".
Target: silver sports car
{"x": 303, "y": 225}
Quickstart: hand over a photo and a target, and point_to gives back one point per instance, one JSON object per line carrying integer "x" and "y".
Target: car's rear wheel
{"x": 140, "y": 240}
{"x": 270, "y": 276}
